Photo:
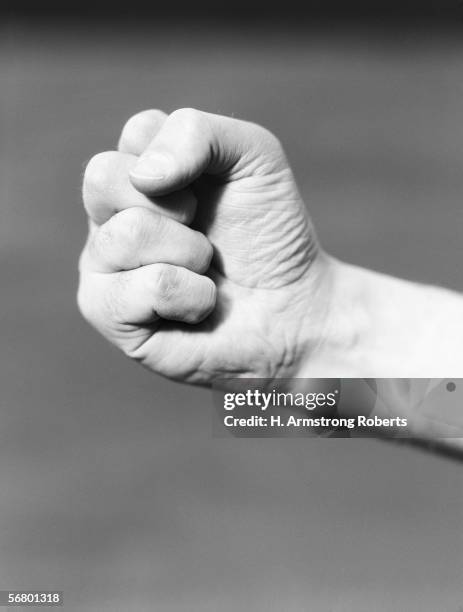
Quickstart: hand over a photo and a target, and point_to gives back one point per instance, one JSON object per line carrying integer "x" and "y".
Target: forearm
{"x": 379, "y": 326}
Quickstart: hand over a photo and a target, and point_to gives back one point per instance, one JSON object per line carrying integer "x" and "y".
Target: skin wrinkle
{"x": 284, "y": 307}
{"x": 276, "y": 362}
{"x": 286, "y": 232}
{"x": 252, "y": 246}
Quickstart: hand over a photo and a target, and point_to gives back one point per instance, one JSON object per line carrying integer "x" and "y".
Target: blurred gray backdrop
{"x": 112, "y": 488}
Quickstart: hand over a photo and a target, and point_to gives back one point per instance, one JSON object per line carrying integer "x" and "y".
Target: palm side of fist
{"x": 201, "y": 260}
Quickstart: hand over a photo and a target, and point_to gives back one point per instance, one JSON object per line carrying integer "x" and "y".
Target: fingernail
{"x": 153, "y": 166}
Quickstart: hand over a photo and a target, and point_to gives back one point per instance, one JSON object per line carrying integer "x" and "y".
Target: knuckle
{"x": 141, "y": 119}
{"x": 166, "y": 282}
{"x": 98, "y": 171}
{"x": 190, "y": 118}
{"x": 126, "y": 229}
{"x": 268, "y": 138}
{"x": 267, "y": 150}
{"x": 114, "y": 300}
{"x": 101, "y": 303}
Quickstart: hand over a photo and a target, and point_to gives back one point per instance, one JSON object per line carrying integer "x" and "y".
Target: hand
{"x": 248, "y": 292}
{"x": 147, "y": 280}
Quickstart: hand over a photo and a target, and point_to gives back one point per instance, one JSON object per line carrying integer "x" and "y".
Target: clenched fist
{"x": 202, "y": 263}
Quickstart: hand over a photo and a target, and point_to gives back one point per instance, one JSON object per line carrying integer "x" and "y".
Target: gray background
{"x": 112, "y": 488}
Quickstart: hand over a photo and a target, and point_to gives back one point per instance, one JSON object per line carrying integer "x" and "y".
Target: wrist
{"x": 377, "y": 326}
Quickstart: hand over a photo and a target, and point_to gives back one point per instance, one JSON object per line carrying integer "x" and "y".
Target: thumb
{"x": 192, "y": 142}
